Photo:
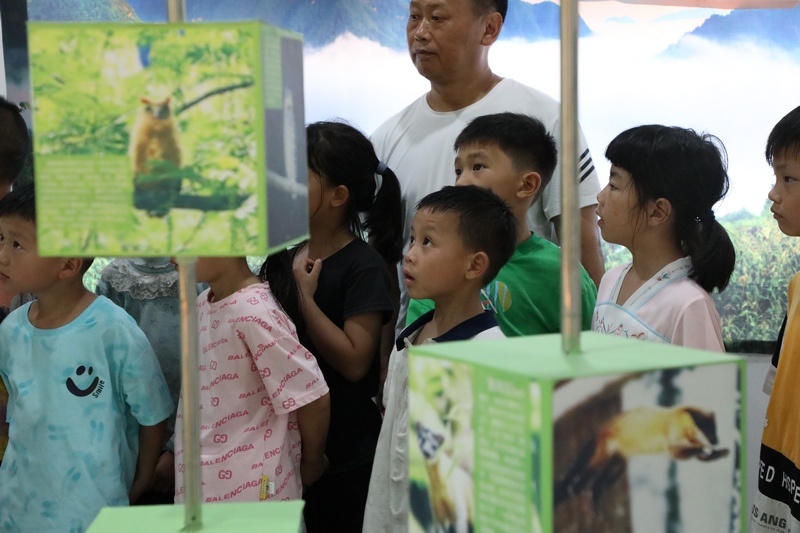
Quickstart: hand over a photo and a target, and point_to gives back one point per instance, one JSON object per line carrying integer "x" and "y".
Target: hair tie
{"x": 381, "y": 167}
{"x": 708, "y": 217}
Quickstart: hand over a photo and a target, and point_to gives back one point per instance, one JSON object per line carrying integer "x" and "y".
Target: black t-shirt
{"x": 353, "y": 281}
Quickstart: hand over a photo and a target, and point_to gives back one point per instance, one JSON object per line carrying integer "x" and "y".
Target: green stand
{"x": 275, "y": 517}
{"x": 516, "y": 437}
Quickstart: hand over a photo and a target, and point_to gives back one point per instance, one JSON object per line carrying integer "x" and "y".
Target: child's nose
{"x": 600, "y": 195}
{"x": 773, "y": 194}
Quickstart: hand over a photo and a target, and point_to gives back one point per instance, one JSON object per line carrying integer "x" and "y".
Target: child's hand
{"x": 311, "y": 469}
{"x": 306, "y": 272}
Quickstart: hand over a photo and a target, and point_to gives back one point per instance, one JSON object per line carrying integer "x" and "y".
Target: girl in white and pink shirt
{"x": 659, "y": 204}
{"x": 264, "y": 407}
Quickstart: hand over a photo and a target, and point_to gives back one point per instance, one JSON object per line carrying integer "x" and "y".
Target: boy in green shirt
{"x": 514, "y": 156}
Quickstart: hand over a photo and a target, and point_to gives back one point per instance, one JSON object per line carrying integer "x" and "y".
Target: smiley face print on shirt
{"x": 91, "y": 385}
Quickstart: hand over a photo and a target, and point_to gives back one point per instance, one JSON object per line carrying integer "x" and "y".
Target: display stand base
{"x": 275, "y": 517}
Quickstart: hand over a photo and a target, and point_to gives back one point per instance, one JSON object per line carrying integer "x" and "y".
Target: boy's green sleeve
{"x": 588, "y": 300}
{"x": 417, "y": 308}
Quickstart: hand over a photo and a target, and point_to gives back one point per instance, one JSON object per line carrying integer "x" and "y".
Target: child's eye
{"x": 16, "y": 245}
{"x": 612, "y": 186}
{"x": 410, "y": 240}
{"x": 426, "y": 241}
{"x": 789, "y": 179}
{"x": 458, "y": 172}
{"x": 477, "y": 166}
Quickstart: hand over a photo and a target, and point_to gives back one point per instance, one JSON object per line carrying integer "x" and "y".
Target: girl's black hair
{"x": 342, "y": 155}
{"x": 689, "y": 170}
{"x": 277, "y": 271}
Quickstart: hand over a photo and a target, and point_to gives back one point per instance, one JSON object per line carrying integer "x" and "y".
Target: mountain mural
{"x": 383, "y": 21}
{"x": 536, "y": 22}
{"x": 70, "y": 10}
{"x": 776, "y": 28}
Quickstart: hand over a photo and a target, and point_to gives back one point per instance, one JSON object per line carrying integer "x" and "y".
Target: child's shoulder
{"x": 143, "y": 278}
{"x": 537, "y": 252}
{"x": 105, "y": 313}
{"x": 16, "y": 318}
{"x": 254, "y": 304}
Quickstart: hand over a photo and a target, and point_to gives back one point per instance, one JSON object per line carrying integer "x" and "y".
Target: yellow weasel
{"x": 682, "y": 432}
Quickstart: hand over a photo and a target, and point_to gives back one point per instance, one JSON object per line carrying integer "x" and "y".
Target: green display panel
{"x": 168, "y": 139}
{"x": 275, "y": 517}
{"x": 513, "y": 436}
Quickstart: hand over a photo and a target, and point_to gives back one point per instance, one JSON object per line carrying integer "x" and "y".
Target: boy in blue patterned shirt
{"x": 87, "y": 399}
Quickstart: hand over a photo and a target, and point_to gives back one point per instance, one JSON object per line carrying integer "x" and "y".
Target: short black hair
{"x": 485, "y": 223}
{"x": 784, "y": 136}
{"x": 20, "y": 203}
{"x": 15, "y": 143}
{"x": 483, "y": 7}
{"x": 522, "y": 138}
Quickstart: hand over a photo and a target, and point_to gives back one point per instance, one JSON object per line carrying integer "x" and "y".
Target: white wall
{"x": 757, "y": 366}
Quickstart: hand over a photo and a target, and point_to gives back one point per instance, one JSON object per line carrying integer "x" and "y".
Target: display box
{"x": 514, "y": 436}
{"x": 275, "y": 517}
{"x": 168, "y": 139}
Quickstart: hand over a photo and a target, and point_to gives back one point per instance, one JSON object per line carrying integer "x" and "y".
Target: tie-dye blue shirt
{"x": 77, "y": 395}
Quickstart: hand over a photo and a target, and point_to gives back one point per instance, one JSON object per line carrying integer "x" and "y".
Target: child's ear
{"x": 340, "y": 196}
{"x": 477, "y": 266}
{"x": 658, "y": 211}
{"x": 529, "y": 186}
{"x": 70, "y": 267}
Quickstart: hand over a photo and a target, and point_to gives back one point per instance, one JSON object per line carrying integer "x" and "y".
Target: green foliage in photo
{"x": 92, "y": 82}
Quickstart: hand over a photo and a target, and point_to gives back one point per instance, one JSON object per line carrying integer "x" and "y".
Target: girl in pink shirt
{"x": 264, "y": 408}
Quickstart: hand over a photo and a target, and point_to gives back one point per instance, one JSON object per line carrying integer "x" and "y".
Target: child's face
{"x": 315, "y": 190}
{"x": 21, "y": 268}
{"x": 489, "y": 167}
{"x": 617, "y": 208}
{"x": 785, "y": 195}
{"x": 209, "y": 269}
{"x": 436, "y": 256}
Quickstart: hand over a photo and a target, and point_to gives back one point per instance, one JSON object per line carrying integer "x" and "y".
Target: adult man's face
{"x": 445, "y": 39}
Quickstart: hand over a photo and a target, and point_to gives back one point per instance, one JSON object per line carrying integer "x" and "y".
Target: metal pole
{"x": 570, "y": 215}
{"x": 176, "y": 10}
{"x": 192, "y": 482}
{"x": 191, "y": 394}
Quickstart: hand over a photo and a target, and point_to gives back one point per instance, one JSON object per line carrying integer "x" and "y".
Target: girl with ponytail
{"x": 659, "y": 204}
{"x": 355, "y": 231}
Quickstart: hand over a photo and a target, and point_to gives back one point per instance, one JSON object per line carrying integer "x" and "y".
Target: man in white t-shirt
{"x": 449, "y": 43}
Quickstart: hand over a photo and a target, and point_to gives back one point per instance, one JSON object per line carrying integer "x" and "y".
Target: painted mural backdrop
{"x": 732, "y": 73}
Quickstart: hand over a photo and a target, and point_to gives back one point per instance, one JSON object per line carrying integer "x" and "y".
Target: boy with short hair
{"x": 776, "y": 501}
{"x": 15, "y": 145}
{"x": 460, "y": 238}
{"x": 514, "y": 156}
{"x": 87, "y": 400}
